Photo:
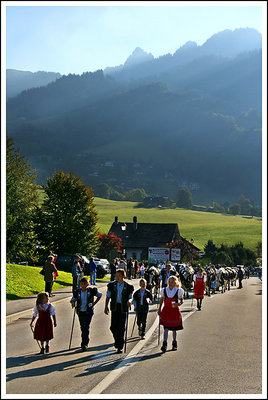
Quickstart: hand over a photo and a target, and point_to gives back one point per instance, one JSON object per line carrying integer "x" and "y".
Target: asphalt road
{"x": 219, "y": 352}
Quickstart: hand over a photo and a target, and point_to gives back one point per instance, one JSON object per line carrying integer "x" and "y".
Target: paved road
{"x": 219, "y": 352}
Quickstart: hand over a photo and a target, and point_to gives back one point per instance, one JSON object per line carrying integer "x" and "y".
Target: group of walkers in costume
{"x": 120, "y": 296}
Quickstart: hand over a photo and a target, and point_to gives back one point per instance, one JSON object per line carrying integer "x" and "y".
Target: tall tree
{"x": 21, "y": 200}
{"x": 184, "y": 198}
{"x": 66, "y": 221}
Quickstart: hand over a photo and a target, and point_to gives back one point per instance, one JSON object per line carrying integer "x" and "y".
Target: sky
{"x": 77, "y": 39}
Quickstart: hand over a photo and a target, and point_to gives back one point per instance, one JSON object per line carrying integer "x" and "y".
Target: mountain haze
{"x": 17, "y": 81}
{"x": 191, "y": 119}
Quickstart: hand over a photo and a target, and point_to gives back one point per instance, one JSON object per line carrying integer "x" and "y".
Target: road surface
{"x": 220, "y": 351}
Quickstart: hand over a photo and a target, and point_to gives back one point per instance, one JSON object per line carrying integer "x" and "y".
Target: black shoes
{"x": 164, "y": 347}
{"x": 84, "y": 348}
{"x": 42, "y": 351}
{"x": 47, "y": 348}
{"x": 174, "y": 345}
{"x": 119, "y": 351}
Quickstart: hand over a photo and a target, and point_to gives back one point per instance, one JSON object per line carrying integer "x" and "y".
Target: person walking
{"x": 170, "y": 315}
{"x": 43, "y": 329}
{"x": 141, "y": 300}
{"x": 76, "y": 274}
{"x": 84, "y": 298}
{"x": 113, "y": 269}
{"x": 165, "y": 273}
{"x": 50, "y": 271}
{"x": 119, "y": 293}
{"x": 199, "y": 287}
{"x": 92, "y": 271}
{"x": 129, "y": 268}
{"x": 240, "y": 276}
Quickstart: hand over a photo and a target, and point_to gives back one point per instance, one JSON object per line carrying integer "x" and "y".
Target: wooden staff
{"x": 134, "y": 325}
{"x": 159, "y": 332}
{"x": 126, "y": 334}
{"x": 72, "y": 330}
{"x": 35, "y": 339}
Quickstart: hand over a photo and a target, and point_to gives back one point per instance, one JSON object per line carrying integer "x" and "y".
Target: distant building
{"x": 138, "y": 237}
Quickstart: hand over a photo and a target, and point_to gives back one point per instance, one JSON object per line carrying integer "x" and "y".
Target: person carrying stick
{"x": 141, "y": 298}
{"x": 120, "y": 294}
{"x": 84, "y": 297}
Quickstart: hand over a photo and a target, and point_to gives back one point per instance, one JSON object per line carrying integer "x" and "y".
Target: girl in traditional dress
{"x": 43, "y": 330}
{"x": 199, "y": 286}
{"x": 170, "y": 315}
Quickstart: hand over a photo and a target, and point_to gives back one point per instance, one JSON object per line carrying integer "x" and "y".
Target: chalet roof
{"x": 146, "y": 234}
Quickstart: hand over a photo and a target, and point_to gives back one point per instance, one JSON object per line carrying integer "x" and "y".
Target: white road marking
{"x": 131, "y": 359}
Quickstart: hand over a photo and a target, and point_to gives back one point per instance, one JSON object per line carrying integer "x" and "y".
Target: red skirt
{"x": 43, "y": 330}
{"x": 199, "y": 288}
{"x": 170, "y": 317}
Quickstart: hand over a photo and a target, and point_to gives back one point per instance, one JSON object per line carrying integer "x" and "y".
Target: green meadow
{"x": 201, "y": 226}
{"x": 22, "y": 281}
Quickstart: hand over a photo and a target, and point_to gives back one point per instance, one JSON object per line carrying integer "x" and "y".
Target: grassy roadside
{"x": 23, "y": 281}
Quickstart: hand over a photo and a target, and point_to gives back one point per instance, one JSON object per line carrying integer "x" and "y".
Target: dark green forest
{"x": 195, "y": 125}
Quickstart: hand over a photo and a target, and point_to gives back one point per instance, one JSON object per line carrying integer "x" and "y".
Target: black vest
{"x": 91, "y": 292}
{"x": 127, "y": 290}
{"x": 137, "y": 297}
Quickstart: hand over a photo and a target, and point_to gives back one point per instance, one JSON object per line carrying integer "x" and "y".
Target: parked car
{"x": 102, "y": 268}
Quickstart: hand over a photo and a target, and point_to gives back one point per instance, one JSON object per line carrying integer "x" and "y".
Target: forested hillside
{"x": 196, "y": 123}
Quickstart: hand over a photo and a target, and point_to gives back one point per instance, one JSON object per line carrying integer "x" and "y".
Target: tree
{"x": 234, "y": 209}
{"x": 21, "y": 200}
{"x": 103, "y": 190}
{"x": 217, "y": 208}
{"x": 108, "y": 243}
{"x": 66, "y": 221}
{"x": 210, "y": 248}
{"x": 135, "y": 194}
{"x": 184, "y": 198}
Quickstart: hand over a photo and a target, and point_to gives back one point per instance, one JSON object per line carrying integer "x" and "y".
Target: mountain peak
{"x": 138, "y": 56}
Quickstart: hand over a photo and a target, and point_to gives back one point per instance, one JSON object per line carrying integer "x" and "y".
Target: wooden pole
{"x": 72, "y": 330}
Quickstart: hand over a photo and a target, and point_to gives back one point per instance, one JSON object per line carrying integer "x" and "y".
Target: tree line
{"x": 183, "y": 199}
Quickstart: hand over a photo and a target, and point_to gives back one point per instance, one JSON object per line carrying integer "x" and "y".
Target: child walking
{"x": 43, "y": 330}
{"x": 84, "y": 300}
{"x": 170, "y": 315}
{"x": 141, "y": 298}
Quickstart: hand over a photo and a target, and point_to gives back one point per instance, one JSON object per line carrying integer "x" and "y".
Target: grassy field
{"x": 23, "y": 281}
{"x": 201, "y": 226}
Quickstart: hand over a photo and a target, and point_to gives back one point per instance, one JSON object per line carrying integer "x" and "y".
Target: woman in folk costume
{"x": 199, "y": 286}
{"x": 170, "y": 315}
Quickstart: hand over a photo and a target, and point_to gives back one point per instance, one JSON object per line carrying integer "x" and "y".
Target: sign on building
{"x": 158, "y": 254}
{"x": 175, "y": 254}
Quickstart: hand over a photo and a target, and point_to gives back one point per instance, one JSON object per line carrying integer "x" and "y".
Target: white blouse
{"x": 197, "y": 276}
{"x": 44, "y": 307}
{"x": 171, "y": 293}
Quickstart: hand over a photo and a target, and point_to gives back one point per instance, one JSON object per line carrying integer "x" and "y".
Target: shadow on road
{"x": 109, "y": 362}
{"x": 25, "y": 360}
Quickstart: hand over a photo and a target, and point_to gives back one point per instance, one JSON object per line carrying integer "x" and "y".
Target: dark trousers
{"x": 240, "y": 284}
{"x": 118, "y": 322}
{"x": 141, "y": 321}
{"x": 130, "y": 273}
{"x": 85, "y": 319}
{"x": 48, "y": 287}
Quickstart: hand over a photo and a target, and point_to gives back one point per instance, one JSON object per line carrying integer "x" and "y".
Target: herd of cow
{"x": 226, "y": 277}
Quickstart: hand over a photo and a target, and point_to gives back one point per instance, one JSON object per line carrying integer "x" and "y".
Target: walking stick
{"x": 36, "y": 339}
{"x": 134, "y": 325}
{"x": 158, "y": 332}
{"x": 126, "y": 333}
{"x": 72, "y": 330}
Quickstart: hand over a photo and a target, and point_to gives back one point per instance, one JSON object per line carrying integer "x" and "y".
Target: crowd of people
{"x": 120, "y": 297}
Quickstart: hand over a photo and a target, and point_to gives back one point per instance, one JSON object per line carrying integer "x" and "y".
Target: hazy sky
{"x": 76, "y": 39}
